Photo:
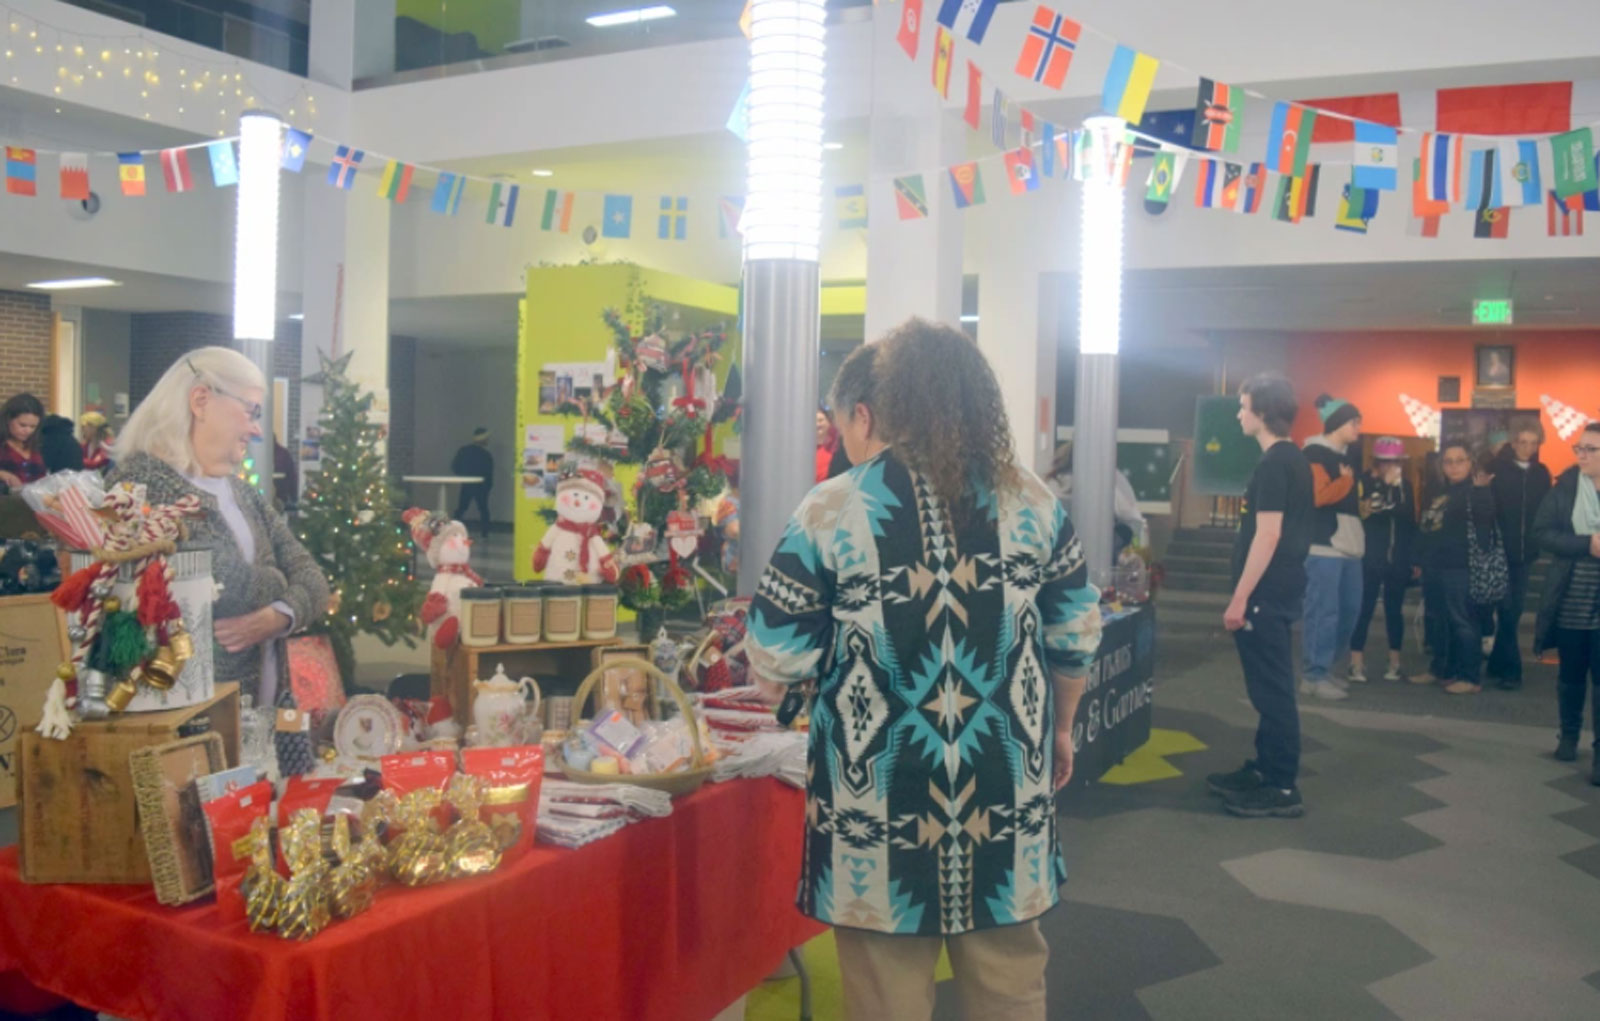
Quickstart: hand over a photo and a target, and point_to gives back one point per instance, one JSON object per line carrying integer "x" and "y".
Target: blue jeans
{"x": 1333, "y": 601}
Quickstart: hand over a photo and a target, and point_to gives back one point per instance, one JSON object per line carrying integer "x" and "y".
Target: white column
{"x": 1009, "y": 299}
{"x": 345, "y": 290}
{"x": 913, "y": 268}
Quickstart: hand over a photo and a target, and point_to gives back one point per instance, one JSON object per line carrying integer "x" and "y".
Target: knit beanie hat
{"x": 1388, "y": 448}
{"x": 1335, "y": 412}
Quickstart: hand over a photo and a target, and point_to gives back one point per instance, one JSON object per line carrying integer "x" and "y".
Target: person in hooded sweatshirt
{"x": 1334, "y": 573}
{"x": 1519, "y": 487}
{"x": 1460, "y": 511}
{"x": 1389, "y": 516}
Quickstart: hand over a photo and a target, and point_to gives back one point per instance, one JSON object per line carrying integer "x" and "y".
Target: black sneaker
{"x": 1510, "y": 684}
{"x": 1265, "y": 802}
{"x": 1567, "y": 749}
{"x": 1237, "y": 782}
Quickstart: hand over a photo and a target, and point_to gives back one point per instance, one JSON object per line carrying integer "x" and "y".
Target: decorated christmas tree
{"x": 660, "y": 415}
{"x": 348, "y": 522}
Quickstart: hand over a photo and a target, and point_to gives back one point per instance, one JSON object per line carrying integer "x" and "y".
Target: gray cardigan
{"x": 282, "y": 568}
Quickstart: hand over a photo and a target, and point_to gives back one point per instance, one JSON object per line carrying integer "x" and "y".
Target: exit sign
{"x": 1491, "y": 313}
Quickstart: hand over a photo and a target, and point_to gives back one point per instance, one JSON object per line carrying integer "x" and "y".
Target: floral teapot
{"x": 500, "y": 708}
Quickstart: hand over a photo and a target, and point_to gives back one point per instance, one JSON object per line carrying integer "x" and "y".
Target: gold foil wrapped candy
{"x": 353, "y": 883}
{"x": 303, "y": 911}
{"x": 419, "y": 856}
{"x": 261, "y": 886}
{"x": 472, "y": 847}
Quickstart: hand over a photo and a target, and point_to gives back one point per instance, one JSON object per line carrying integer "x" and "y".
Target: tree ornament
{"x": 381, "y": 611}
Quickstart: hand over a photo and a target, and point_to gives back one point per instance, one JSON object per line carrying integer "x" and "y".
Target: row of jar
{"x": 537, "y": 612}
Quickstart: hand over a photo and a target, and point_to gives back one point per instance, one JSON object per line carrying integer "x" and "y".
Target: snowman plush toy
{"x": 572, "y": 550}
{"x": 448, "y": 548}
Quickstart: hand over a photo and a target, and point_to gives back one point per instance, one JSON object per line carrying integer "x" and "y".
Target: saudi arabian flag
{"x": 1574, "y": 162}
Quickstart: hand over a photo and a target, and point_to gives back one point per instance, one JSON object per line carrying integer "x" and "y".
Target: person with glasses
{"x": 1568, "y": 528}
{"x": 189, "y": 437}
{"x": 1460, "y": 509}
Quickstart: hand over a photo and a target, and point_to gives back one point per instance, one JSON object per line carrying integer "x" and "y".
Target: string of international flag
{"x": 1560, "y": 170}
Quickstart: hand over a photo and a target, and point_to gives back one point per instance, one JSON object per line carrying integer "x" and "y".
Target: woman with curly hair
{"x": 937, "y": 595}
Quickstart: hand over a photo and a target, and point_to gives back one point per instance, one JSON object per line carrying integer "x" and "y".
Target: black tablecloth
{"x": 1114, "y": 717}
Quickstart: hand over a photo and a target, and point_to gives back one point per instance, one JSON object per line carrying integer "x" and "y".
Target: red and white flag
{"x": 175, "y": 168}
{"x": 75, "y": 176}
{"x": 1424, "y": 418}
{"x": 910, "y": 26}
{"x": 1569, "y": 421}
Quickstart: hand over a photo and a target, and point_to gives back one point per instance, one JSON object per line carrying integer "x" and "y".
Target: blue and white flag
{"x": 1521, "y": 182}
{"x": 968, "y": 16}
{"x": 1375, "y": 157}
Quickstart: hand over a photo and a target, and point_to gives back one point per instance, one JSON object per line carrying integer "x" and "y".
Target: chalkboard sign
{"x": 1224, "y": 457}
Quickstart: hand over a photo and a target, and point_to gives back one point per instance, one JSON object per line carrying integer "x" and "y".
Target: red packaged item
{"x": 302, "y": 792}
{"x": 418, "y": 771}
{"x": 229, "y": 818}
{"x": 512, "y": 777}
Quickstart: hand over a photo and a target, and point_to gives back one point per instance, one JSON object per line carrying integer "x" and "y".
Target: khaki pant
{"x": 999, "y": 974}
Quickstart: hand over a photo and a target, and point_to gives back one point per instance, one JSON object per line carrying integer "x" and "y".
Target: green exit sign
{"x": 1491, "y": 313}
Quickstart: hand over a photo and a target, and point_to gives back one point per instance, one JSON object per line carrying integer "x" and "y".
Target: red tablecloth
{"x": 670, "y": 919}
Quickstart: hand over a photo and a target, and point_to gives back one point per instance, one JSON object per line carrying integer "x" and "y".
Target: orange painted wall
{"x": 1372, "y": 369}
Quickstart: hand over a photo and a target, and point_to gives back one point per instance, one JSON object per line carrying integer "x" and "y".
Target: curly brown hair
{"x": 941, "y": 410}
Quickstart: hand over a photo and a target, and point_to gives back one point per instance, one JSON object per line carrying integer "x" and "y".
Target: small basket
{"x": 683, "y": 782}
{"x": 690, "y": 671}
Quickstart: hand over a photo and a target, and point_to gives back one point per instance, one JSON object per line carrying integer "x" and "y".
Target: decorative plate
{"x": 369, "y": 727}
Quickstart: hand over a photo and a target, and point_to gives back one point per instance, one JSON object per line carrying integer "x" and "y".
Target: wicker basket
{"x": 682, "y": 782}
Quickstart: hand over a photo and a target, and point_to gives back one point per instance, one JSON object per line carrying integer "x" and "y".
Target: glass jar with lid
{"x": 523, "y": 607}
{"x": 599, "y": 612}
{"x": 563, "y": 613}
{"x": 480, "y": 617}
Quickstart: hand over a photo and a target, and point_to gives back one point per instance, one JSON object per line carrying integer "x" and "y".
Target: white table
{"x": 444, "y": 482}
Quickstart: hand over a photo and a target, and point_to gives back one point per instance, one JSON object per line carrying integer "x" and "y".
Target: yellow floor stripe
{"x": 1149, "y": 762}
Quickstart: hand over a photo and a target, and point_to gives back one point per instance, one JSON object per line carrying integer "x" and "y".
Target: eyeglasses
{"x": 252, "y": 409}
{"x": 1581, "y": 450}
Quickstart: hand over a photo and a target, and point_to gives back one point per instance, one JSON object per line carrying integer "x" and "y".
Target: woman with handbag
{"x": 1457, "y": 541}
{"x": 1568, "y": 528}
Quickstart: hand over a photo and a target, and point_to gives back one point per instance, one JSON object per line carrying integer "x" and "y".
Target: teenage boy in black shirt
{"x": 1269, "y": 577}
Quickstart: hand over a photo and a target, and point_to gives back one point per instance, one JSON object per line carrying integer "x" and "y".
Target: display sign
{"x": 1491, "y": 312}
{"x": 1114, "y": 716}
{"x": 1224, "y": 457}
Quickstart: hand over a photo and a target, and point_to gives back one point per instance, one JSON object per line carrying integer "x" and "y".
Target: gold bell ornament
{"x": 303, "y": 911}
{"x": 261, "y": 887}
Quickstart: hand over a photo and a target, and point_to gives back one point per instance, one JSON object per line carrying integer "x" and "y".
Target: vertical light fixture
{"x": 255, "y": 243}
{"x": 782, "y": 216}
{"x": 782, "y": 228}
{"x": 1100, "y": 240}
{"x": 1094, "y": 444}
{"x": 255, "y": 269}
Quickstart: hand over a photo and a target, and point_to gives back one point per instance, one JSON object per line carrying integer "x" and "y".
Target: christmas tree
{"x": 348, "y": 522}
{"x": 660, "y": 415}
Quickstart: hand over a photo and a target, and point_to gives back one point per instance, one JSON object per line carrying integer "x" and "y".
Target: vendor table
{"x": 671, "y": 918}
{"x": 1114, "y": 716}
{"x": 444, "y": 482}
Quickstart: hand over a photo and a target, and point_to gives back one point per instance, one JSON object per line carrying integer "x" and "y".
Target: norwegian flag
{"x": 1569, "y": 421}
{"x": 1048, "y": 48}
{"x": 1425, "y": 419}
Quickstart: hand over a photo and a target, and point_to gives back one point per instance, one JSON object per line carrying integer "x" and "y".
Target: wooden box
{"x": 33, "y": 643}
{"x": 79, "y": 820}
{"x": 558, "y": 667}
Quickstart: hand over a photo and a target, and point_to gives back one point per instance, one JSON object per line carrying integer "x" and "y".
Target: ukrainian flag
{"x": 1127, "y": 85}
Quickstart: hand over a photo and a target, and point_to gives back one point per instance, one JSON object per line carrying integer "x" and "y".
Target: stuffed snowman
{"x": 572, "y": 550}
{"x": 448, "y": 548}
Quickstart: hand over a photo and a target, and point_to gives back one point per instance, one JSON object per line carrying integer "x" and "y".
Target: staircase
{"x": 1200, "y": 560}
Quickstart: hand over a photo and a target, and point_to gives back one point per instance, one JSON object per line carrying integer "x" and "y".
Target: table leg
{"x": 798, "y": 959}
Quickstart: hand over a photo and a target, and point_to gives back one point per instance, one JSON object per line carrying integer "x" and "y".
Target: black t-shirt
{"x": 1281, "y": 483}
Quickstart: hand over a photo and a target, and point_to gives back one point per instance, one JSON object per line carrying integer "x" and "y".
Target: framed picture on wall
{"x": 1496, "y": 367}
{"x": 1449, "y": 389}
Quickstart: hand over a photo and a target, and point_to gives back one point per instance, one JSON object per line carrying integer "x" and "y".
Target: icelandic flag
{"x": 342, "y": 171}
{"x": 1521, "y": 183}
{"x": 1376, "y": 157}
{"x": 969, "y": 16}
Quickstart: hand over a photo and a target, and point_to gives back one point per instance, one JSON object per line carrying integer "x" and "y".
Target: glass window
{"x": 276, "y": 33}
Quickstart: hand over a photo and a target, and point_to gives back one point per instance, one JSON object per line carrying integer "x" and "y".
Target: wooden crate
{"x": 558, "y": 667}
{"x": 79, "y": 820}
{"x": 33, "y": 643}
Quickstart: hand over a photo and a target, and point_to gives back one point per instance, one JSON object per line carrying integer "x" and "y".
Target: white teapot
{"x": 500, "y": 705}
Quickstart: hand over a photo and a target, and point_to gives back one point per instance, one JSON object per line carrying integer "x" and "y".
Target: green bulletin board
{"x": 1224, "y": 457}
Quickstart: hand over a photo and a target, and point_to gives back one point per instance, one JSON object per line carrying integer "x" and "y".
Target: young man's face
{"x": 1249, "y": 421}
{"x": 1525, "y": 445}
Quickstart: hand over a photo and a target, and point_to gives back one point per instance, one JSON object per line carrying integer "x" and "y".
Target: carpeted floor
{"x": 1447, "y": 867}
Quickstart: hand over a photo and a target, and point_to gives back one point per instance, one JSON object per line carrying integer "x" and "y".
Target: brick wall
{"x": 25, "y": 336}
{"x": 159, "y": 338}
{"x": 402, "y": 405}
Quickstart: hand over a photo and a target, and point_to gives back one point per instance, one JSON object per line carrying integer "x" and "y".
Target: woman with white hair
{"x": 189, "y": 437}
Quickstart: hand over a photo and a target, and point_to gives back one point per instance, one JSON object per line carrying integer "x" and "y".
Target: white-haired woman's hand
{"x": 246, "y": 631}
